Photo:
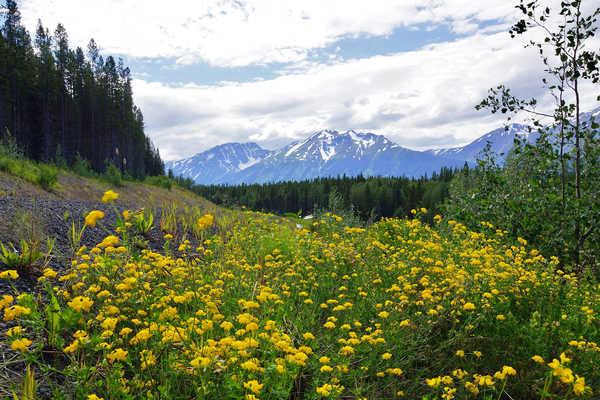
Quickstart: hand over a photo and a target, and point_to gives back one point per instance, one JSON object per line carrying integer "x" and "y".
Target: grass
{"x": 261, "y": 309}
{"x": 44, "y": 175}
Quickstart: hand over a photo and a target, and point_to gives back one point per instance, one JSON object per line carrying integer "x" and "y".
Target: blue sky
{"x": 217, "y": 71}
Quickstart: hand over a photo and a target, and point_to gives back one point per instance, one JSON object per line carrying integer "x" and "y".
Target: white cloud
{"x": 420, "y": 98}
{"x": 409, "y": 97}
{"x": 243, "y": 32}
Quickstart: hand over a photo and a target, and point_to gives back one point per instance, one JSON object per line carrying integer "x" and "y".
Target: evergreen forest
{"x": 63, "y": 104}
{"x": 370, "y": 198}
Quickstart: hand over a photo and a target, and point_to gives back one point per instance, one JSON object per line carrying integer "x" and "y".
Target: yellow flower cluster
{"x": 109, "y": 241}
{"x": 117, "y": 355}
{"x": 109, "y": 196}
{"x": 9, "y": 274}
{"x": 205, "y": 221}
{"x": 20, "y": 344}
{"x": 364, "y": 312}
{"x": 81, "y": 303}
{"x": 93, "y": 217}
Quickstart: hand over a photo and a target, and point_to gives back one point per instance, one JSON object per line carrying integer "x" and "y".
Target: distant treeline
{"x": 369, "y": 197}
{"x": 59, "y": 103}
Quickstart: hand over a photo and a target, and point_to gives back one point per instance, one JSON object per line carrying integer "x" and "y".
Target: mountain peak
{"x": 221, "y": 160}
{"x": 326, "y": 144}
{"x": 330, "y": 152}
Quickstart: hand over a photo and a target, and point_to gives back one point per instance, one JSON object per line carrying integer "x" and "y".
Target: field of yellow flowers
{"x": 263, "y": 309}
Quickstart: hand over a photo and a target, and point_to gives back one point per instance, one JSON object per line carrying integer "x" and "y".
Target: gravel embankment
{"x": 49, "y": 218}
{"x": 52, "y": 220}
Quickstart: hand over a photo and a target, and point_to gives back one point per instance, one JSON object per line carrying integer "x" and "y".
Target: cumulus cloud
{"x": 232, "y": 33}
{"x": 421, "y": 98}
{"x": 409, "y": 97}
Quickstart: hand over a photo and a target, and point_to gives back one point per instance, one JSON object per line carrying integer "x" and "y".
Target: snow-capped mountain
{"x": 215, "y": 165}
{"x": 333, "y": 153}
{"x": 325, "y": 153}
{"x": 501, "y": 141}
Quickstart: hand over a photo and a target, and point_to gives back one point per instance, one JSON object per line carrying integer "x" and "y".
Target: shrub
{"x": 19, "y": 167}
{"x": 47, "y": 176}
{"x": 128, "y": 177}
{"x": 83, "y": 167}
{"x": 159, "y": 181}
{"x": 9, "y": 147}
{"x": 112, "y": 175}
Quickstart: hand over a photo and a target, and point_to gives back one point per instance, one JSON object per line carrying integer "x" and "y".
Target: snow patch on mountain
{"x": 332, "y": 153}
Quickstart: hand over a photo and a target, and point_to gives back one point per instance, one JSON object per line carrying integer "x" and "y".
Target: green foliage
{"x": 53, "y": 321}
{"x": 188, "y": 220}
{"x": 59, "y": 158}
{"x": 38, "y": 173}
{"x": 47, "y": 177}
{"x": 168, "y": 219}
{"x": 33, "y": 253}
{"x": 112, "y": 175}
{"x": 75, "y": 233}
{"x": 337, "y": 207}
{"x": 185, "y": 183}
{"x": 143, "y": 221}
{"x": 27, "y": 258}
{"x": 28, "y": 391}
{"x": 20, "y": 167}
{"x": 547, "y": 192}
{"x": 9, "y": 147}
{"x": 161, "y": 181}
{"x": 83, "y": 167}
{"x": 13, "y": 162}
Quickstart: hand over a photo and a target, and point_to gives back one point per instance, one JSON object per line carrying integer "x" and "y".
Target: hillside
{"x": 31, "y": 213}
{"x": 75, "y": 187}
{"x": 72, "y": 198}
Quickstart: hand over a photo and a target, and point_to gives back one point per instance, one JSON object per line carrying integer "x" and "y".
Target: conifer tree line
{"x": 63, "y": 103}
{"x": 369, "y": 197}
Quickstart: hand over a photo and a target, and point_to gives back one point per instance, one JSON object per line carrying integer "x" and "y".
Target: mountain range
{"x": 333, "y": 153}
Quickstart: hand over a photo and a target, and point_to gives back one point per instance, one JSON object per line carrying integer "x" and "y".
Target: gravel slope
{"x": 51, "y": 215}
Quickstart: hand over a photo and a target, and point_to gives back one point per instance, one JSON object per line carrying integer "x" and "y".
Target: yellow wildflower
{"x": 538, "y": 359}
{"x": 253, "y": 386}
{"x": 20, "y": 344}
{"x": 117, "y": 355}
{"x": 93, "y": 217}
{"x": 81, "y": 303}
{"x": 9, "y": 274}
{"x": 109, "y": 196}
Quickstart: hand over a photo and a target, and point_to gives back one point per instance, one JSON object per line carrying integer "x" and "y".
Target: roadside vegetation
{"x": 263, "y": 309}
{"x": 45, "y": 174}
